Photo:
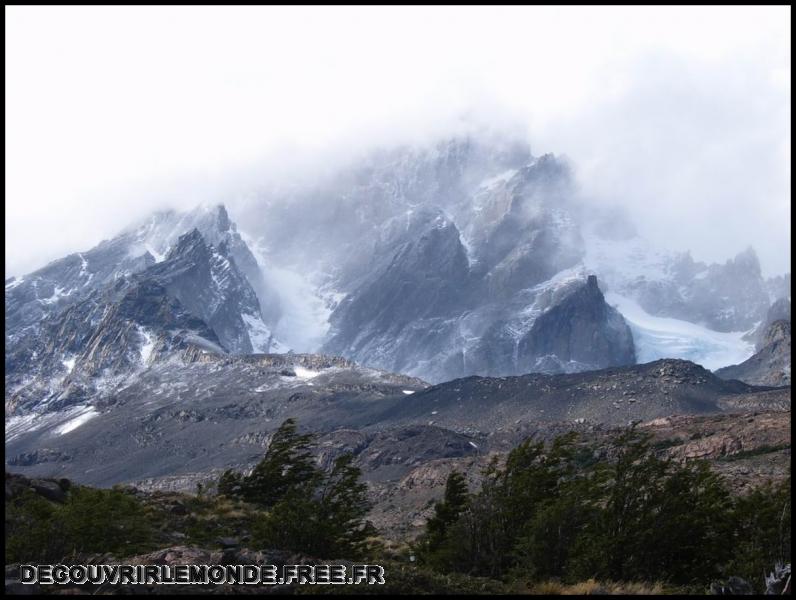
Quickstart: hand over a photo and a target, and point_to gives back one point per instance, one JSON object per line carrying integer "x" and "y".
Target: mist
{"x": 679, "y": 115}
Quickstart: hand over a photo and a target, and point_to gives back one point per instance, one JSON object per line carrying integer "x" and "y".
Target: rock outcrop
{"x": 580, "y": 333}
{"x": 771, "y": 364}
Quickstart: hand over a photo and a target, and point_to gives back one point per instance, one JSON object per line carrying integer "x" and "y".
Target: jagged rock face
{"x": 779, "y": 311}
{"x": 194, "y": 297}
{"x": 219, "y": 231}
{"x": 771, "y": 364}
{"x": 448, "y": 290}
{"x": 536, "y": 237}
{"x": 728, "y": 297}
{"x": 582, "y": 329}
{"x": 426, "y": 280}
{"x": 63, "y": 282}
{"x": 209, "y": 285}
{"x": 107, "y": 336}
{"x": 69, "y": 280}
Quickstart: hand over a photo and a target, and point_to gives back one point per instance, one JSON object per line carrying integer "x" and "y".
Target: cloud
{"x": 697, "y": 151}
{"x": 112, "y": 112}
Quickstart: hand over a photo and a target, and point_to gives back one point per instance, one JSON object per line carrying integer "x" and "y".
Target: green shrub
{"x": 91, "y": 520}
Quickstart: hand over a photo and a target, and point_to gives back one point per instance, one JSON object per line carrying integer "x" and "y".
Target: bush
{"x": 91, "y": 520}
{"x": 628, "y": 516}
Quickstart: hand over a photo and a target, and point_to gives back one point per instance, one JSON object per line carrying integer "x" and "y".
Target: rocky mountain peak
{"x": 189, "y": 244}
{"x": 580, "y": 332}
{"x": 223, "y": 220}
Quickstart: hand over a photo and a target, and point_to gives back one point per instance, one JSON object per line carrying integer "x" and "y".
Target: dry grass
{"x": 592, "y": 587}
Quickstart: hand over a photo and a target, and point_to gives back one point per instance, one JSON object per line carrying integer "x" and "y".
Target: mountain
{"x": 66, "y": 281}
{"x": 435, "y": 260}
{"x": 195, "y": 296}
{"x": 724, "y": 297}
{"x": 771, "y": 364}
{"x": 455, "y": 280}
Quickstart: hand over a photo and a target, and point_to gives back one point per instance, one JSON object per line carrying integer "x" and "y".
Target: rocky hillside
{"x": 196, "y": 410}
{"x": 406, "y": 467}
{"x": 771, "y": 364}
{"x": 580, "y": 333}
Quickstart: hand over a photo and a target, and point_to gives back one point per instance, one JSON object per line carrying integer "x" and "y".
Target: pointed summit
{"x": 222, "y": 218}
{"x": 188, "y": 244}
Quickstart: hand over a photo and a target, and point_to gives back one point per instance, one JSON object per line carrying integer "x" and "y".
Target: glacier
{"x": 662, "y": 337}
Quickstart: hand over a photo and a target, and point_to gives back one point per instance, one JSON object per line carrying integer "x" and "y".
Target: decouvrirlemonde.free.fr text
{"x": 335, "y": 574}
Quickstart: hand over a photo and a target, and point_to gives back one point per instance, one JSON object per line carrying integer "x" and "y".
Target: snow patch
{"x": 158, "y": 256}
{"x": 69, "y": 363}
{"x": 83, "y": 417}
{"x": 305, "y": 374}
{"x": 63, "y": 421}
{"x": 58, "y": 292}
{"x": 147, "y": 344}
{"x": 407, "y": 392}
{"x": 19, "y": 424}
{"x": 14, "y": 283}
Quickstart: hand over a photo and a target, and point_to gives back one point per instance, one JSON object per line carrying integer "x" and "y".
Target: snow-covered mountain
{"x": 467, "y": 256}
{"x": 116, "y": 321}
{"x": 436, "y": 261}
{"x": 65, "y": 281}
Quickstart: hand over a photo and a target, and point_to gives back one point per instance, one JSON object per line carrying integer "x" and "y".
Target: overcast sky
{"x": 680, "y": 114}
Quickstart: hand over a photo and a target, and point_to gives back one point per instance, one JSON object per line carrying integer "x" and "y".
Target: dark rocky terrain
{"x": 195, "y": 411}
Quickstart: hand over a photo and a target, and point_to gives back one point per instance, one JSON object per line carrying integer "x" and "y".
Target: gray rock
{"x": 771, "y": 365}
{"x": 49, "y": 490}
{"x": 581, "y": 329}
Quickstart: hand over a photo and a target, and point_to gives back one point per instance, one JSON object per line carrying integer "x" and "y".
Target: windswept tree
{"x": 308, "y": 510}
{"x": 432, "y": 544}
